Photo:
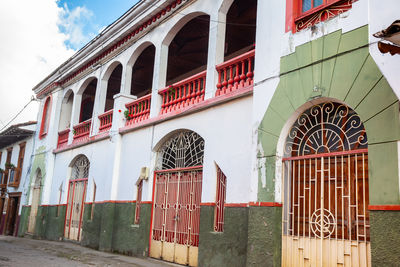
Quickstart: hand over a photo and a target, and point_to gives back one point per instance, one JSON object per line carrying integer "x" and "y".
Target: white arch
{"x": 84, "y": 84}
{"x": 111, "y": 67}
{"x": 137, "y": 52}
{"x": 179, "y": 25}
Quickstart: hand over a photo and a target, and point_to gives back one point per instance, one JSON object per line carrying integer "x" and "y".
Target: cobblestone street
{"x": 18, "y": 252}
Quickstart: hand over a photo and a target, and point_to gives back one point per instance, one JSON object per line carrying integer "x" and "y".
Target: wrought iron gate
{"x": 176, "y": 215}
{"x": 325, "y": 176}
{"x": 75, "y": 206}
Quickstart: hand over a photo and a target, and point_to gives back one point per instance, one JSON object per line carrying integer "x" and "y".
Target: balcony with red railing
{"x": 106, "y": 121}
{"x": 63, "y": 138}
{"x": 138, "y": 110}
{"x": 82, "y": 131}
{"x": 184, "y": 93}
{"x": 235, "y": 73}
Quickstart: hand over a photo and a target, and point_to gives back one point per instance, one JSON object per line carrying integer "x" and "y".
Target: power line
{"x": 32, "y": 99}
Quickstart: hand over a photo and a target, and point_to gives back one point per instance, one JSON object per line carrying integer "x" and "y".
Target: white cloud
{"x": 73, "y": 23}
{"x": 31, "y": 47}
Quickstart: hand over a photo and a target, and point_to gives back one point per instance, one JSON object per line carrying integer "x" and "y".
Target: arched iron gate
{"x": 177, "y": 197}
{"x": 325, "y": 176}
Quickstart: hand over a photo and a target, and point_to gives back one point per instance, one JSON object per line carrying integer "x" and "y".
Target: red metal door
{"x": 176, "y": 215}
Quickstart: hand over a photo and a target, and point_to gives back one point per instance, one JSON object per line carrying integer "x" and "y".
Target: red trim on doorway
{"x": 152, "y": 213}
{"x": 66, "y": 210}
{"x": 147, "y": 202}
{"x": 82, "y": 207}
{"x": 394, "y": 207}
{"x": 265, "y": 204}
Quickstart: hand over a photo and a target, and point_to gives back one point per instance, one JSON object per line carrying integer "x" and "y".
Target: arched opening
{"x": 66, "y": 111}
{"x": 142, "y": 73}
{"x": 113, "y": 87}
{"x": 87, "y": 104}
{"x": 177, "y": 197}
{"x": 325, "y": 188}
{"x": 240, "y": 34}
{"x": 35, "y": 200}
{"x": 76, "y": 197}
{"x": 188, "y": 51}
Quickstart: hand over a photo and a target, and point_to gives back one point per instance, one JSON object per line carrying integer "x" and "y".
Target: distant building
{"x": 16, "y": 143}
{"x": 225, "y": 133}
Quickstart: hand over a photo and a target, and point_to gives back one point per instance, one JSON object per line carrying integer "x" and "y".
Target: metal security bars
{"x": 177, "y": 206}
{"x": 220, "y": 201}
{"x": 326, "y": 196}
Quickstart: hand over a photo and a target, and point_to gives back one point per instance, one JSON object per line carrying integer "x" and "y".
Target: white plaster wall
{"x": 381, "y": 14}
{"x": 100, "y": 155}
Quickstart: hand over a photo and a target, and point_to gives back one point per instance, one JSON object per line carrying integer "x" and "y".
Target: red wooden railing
{"x": 63, "y": 138}
{"x": 183, "y": 93}
{"x": 235, "y": 73}
{"x": 106, "y": 121}
{"x": 138, "y": 110}
{"x": 82, "y": 130}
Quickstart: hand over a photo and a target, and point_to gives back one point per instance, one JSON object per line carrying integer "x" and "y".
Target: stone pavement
{"x": 21, "y": 252}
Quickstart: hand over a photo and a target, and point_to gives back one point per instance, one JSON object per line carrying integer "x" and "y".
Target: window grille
{"x": 220, "y": 201}
{"x": 80, "y": 168}
{"x": 185, "y": 149}
{"x": 138, "y": 201}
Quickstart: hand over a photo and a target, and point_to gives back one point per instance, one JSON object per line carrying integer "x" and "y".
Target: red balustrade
{"x": 63, "y": 138}
{"x": 235, "y": 73}
{"x": 138, "y": 110}
{"x": 183, "y": 93}
{"x": 106, "y": 121}
{"x": 82, "y": 130}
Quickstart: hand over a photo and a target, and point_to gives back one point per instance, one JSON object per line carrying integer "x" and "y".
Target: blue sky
{"x": 84, "y": 19}
{"x": 41, "y": 35}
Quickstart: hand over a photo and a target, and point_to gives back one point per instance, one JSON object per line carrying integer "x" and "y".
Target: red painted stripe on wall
{"x": 384, "y": 207}
{"x": 265, "y": 204}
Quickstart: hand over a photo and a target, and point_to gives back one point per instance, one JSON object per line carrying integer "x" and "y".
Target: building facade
{"x": 16, "y": 144}
{"x": 225, "y": 133}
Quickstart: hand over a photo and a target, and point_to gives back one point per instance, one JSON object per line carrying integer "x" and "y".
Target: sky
{"x": 36, "y": 36}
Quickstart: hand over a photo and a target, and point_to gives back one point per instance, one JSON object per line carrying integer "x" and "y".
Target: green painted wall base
{"x": 49, "y": 222}
{"x": 264, "y": 236}
{"x": 385, "y": 238}
{"x": 227, "y": 248}
{"x": 23, "y": 222}
{"x": 112, "y": 228}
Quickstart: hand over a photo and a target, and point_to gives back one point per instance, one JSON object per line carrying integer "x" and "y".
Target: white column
{"x": 216, "y": 47}
{"x": 118, "y": 121}
{"x": 126, "y": 78}
{"x": 99, "y": 102}
{"x": 76, "y": 109}
{"x": 159, "y": 78}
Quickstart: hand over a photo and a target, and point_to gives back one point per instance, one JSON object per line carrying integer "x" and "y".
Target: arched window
{"x": 325, "y": 184}
{"x": 80, "y": 168}
{"x": 185, "y": 149}
{"x": 45, "y": 118}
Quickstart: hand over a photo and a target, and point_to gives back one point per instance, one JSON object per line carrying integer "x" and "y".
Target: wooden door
{"x": 12, "y": 213}
{"x": 176, "y": 216}
{"x": 75, "y": 207}
{"x": 34, "y": 208}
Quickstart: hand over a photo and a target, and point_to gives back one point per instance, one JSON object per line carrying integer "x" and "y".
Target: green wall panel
{"x": 353, "y": 39}
{"x": 228, "y": 248}
{"x": 331, "y": 44}
{"x": 264, "y": 236}
{"x": 385, "y": 236}
{"x": 346, "y": 70}
{"x": 266, "y": 186}
{"x": 91, "y": 225}
{"x": 107, "y": 226}
{"x": 365, "y": 81}
{"x": 24, "y": 220}
{"x": 383, "y": 174}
